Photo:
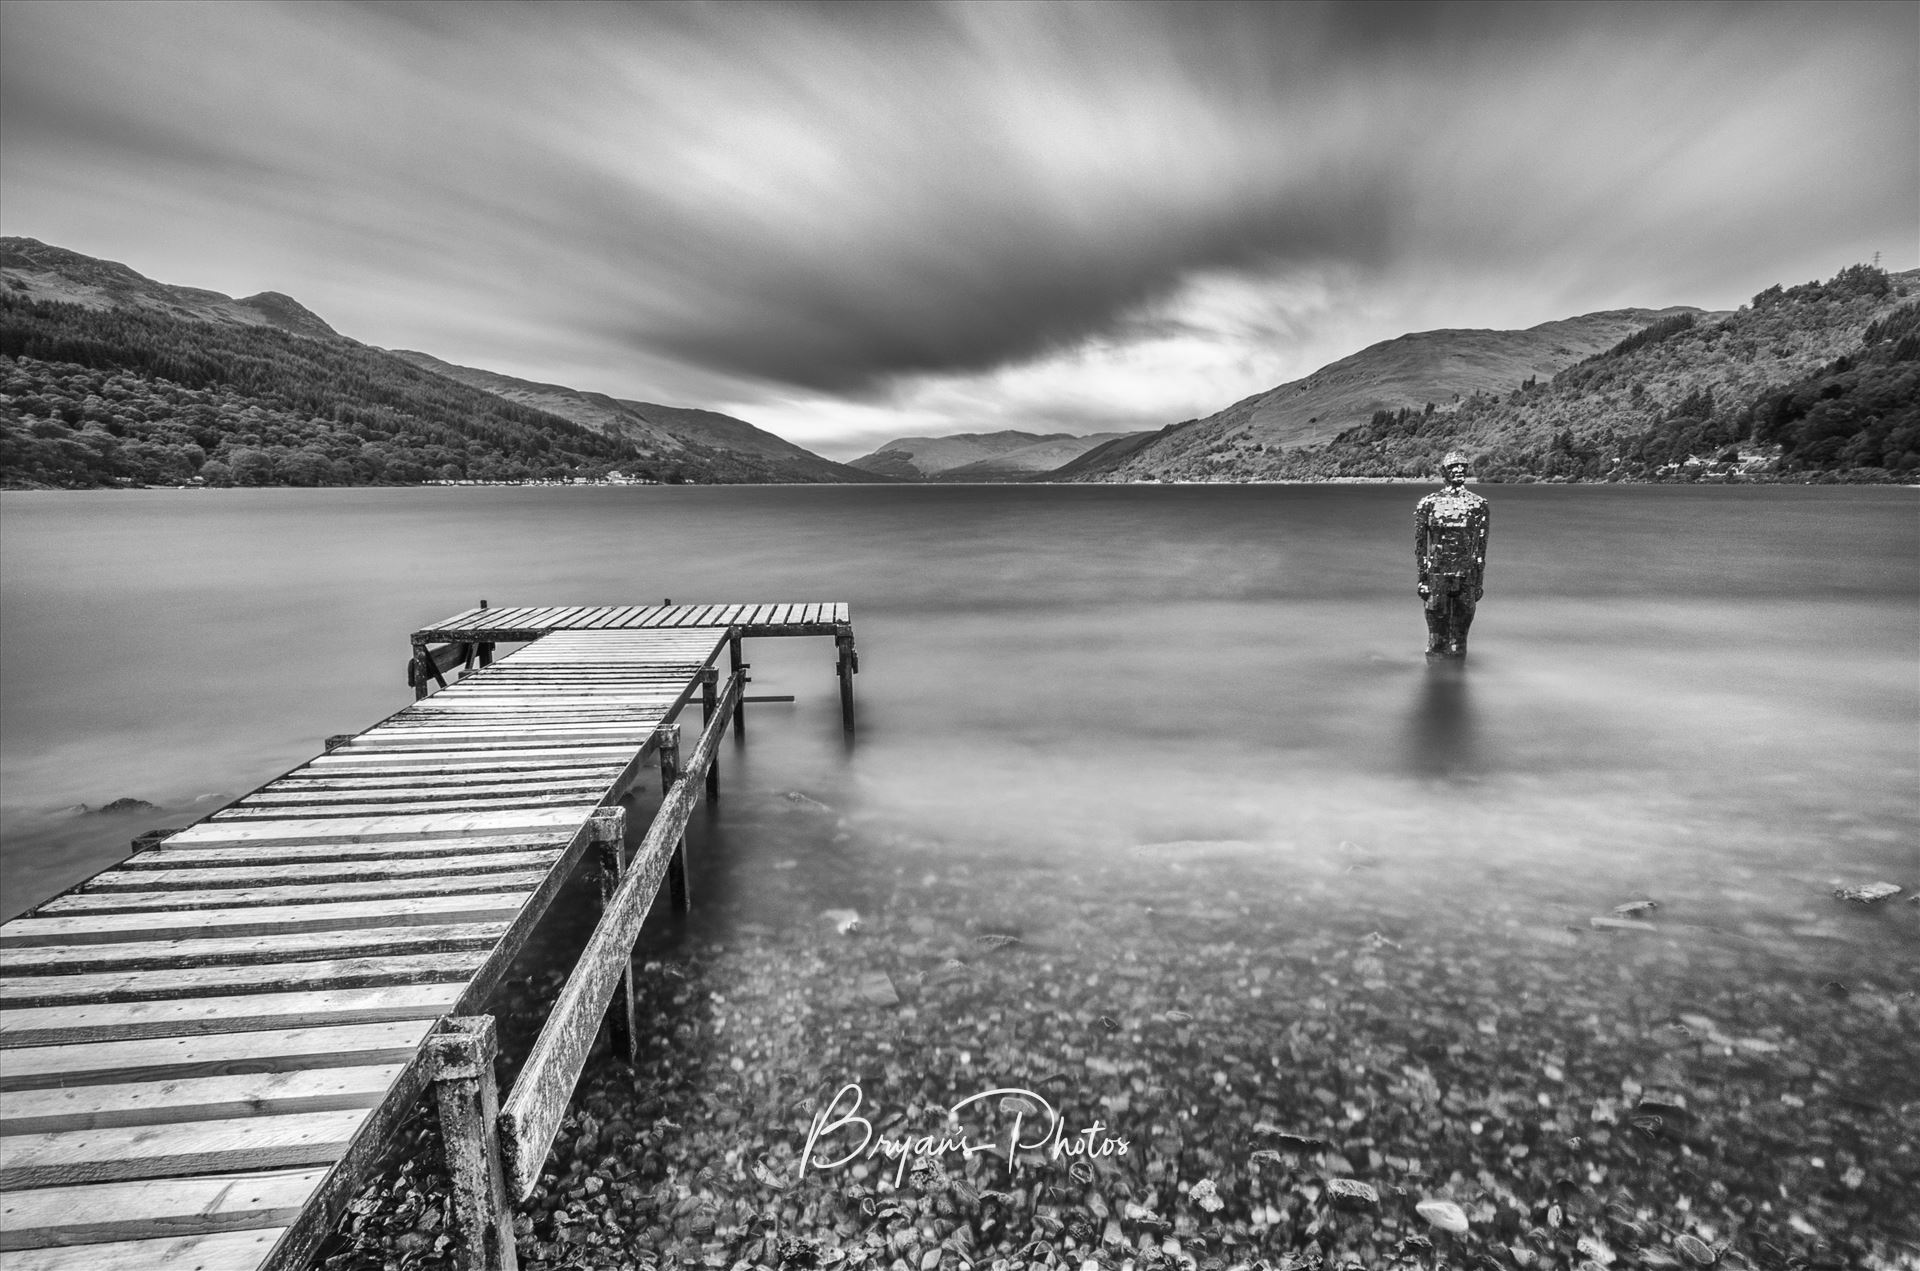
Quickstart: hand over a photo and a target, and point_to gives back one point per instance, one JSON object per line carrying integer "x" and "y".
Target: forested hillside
{"x": 108, "y": 377}
{"x": 93, "y": 397}
{"x": 1819, "y": 381}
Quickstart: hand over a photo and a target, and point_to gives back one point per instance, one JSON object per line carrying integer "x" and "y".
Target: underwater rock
{"x": 1866, "y": 894}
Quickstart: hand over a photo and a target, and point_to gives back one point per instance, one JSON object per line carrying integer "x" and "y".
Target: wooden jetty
{"x": 205, "y": 1048}
{"x": 468, "y": 638}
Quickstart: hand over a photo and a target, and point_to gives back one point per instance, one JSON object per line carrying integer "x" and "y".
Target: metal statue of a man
{"x": 1450, "y": 548}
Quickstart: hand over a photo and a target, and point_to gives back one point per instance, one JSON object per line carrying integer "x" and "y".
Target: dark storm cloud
{"x": 686, "y": 200}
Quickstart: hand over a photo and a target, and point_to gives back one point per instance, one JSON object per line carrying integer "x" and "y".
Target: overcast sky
{"x": 853, "y": 222}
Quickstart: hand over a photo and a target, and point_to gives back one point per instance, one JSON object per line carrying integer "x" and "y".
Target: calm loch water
{"x": 1180, "y": 742}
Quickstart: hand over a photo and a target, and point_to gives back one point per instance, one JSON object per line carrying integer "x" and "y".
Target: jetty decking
{"x": 204, "y": 1048}
{"x": 467, "y": 638}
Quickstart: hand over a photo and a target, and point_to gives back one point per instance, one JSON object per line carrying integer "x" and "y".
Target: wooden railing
{"x": 495, "y": 1149}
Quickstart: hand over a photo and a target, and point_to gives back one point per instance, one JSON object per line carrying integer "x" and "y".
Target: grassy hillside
{"x": 1817, "y": 380}
{"x": 1684, "y": 395}
{"x": 1443, "y": 367}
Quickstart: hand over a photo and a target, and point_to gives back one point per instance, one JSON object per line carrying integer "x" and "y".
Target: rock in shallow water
{"x": 1443, "y": 1214}
{"x": 1865, "y": 894}
{"x": 1352, "y": 1192}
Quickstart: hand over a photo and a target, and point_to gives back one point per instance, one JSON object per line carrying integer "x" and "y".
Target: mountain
{"x": 1820, "y": 378}
{"x": 1028, "y": 462}
{"x": 110, "y": 378}
{"x": 1008, "y": 455}
{"x": 32, "y": 270}
{"x": 1443, "y": 367}
{"x": 722, "y": 447}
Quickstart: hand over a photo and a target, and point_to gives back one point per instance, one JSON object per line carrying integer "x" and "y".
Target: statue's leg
{"x": 1461, "y": 619}
{"x": 1433, "y": 608}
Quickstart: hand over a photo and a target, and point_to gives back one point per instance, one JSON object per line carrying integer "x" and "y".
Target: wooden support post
{"x": 610, "y": 844}
{"x": 849, "y": 665}
{"x": 462, "y": 1057}
{"x": 739, "y": 669}
{"x": 668, "y": 739}
{"x": 485, "y": 650}
{"x": 709, "y": 698}
{"x": 417, "y": 671}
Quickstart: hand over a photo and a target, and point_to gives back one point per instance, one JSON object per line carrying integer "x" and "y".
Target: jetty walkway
{"x": 205, "y": 1048}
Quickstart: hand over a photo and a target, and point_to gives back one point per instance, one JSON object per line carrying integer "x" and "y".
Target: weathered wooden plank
{"x": 212, "y": 1055}
{"x": 464, "y": 735}
{"x": 542, "y": 617}
{"x": 264, "y": 854}
{"x": 194, "y": 926}
{"x": 509, "y": 702}
{"x": 492, "y": 619}
{"x": 318, "y": 809}
{"x": 377, "y": 829}
{"x": 295, "y": 793}
{"x": 317, "y": 893}
{"x": 481, "y": 739}
{"x": 215, "y": 1014}
{"x": 514, "y": 704}
{"x": 450, "y": 867}
{"x": 92, "y": 1214}
{"x": 170, "y": 1151}
{"x": 178, "y": 1100}
{"x": 630, "y": 701}
{"x": 24, "y": 962}
{"x": 498, "y": 759}
{"x": 219, "y": 981}
{"x": 500, "y": 782}
{"x": 219, "y": 1251}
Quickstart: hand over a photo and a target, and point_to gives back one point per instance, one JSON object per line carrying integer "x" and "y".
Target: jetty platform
{"x": 205, "y": 1048}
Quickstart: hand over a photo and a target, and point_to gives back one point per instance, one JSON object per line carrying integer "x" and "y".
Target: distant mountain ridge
{"x": 1007, "y": 455}
{"x": 180, "y": 380}
{"x": 730, "y": 449}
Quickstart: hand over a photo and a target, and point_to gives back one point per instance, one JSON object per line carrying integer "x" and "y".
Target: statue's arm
{"x": 1485, "y": 532}
{"x": 1420, "y": 543}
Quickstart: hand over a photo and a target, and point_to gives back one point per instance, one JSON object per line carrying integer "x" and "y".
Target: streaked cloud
{"x": 853, "y": 222}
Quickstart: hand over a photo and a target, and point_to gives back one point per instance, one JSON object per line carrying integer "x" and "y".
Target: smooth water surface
{"x": 1661, "y": 680}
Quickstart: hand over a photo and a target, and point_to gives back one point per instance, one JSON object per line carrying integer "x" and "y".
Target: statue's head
{"x": 1455, "y": 467}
